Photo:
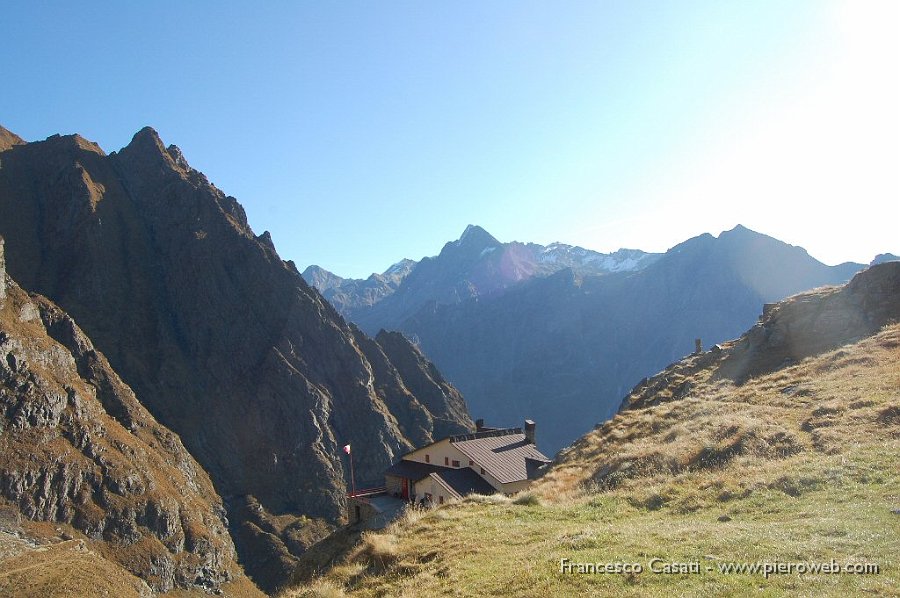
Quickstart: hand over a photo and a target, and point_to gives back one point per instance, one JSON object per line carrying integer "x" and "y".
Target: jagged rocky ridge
{"x": 475, "y": 265}
{"x": 219, "y": 338}
{"x": 348, "y": 294}
{"x": 78, "y": 449}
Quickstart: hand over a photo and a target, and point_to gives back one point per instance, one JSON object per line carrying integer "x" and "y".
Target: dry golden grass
{"x": 320, "y": 588}
{"x": 61, "y": 569}
{"x": 797, "y": 465}
{"x": 823, "y": 404}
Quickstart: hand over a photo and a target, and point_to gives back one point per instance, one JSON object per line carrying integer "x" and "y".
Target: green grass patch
{"x": 812, "y": 509}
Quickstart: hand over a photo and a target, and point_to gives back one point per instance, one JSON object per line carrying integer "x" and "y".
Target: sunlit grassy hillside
{"x": 795, "y": 466}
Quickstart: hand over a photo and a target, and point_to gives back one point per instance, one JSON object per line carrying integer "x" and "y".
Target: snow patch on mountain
{"x": 579, "y": 258}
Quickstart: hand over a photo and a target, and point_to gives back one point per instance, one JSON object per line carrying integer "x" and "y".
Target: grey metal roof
{"x": 412, "y": 470}
{"x": 461, "y": 480}
{"x": 464, "y": 481}
{"x": 503, "y": 456}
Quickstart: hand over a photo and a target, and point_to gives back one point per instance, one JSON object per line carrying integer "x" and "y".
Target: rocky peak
{"x": 147, "y": 137}
{"x": 740, "y": 229}
{"x": 72, "y": 144}
{"x": 882, "y": 258}
{"x": 322, "y": 279}
{"x": 175, "y": 153}
{"x": 400, "y": 269}
{"x": 474, "y": 243}
{"x": 741, "y": 236}
{"x": 146, "y": 147}
{"x": 266, "y": 239}
{"x": 476, "y": 237}
{"x": 694, "y": 244}
{"x": 8, "y": 139}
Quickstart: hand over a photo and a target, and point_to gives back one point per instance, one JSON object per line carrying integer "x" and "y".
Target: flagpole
{"x": 352, "y": 478}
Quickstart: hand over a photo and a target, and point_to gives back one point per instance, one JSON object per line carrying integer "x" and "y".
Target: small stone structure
{"x": 374, "y": 510}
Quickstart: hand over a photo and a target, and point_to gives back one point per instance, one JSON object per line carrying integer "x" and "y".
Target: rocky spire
{"x": 475, "y": 235}
{"x": 147, "y": 148}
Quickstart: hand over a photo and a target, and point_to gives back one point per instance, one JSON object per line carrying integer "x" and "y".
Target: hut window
{"x": 455, "y": 463}
{"x": 446, "y": 460}
{"x": 441, "y": 499}
{"x": 427, "y": 458}
{"x": 471, "y": 463}
{"x": 482, "y": 471}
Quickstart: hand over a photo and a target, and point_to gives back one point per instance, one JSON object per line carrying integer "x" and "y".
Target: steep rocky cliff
{"x": 78, "y": 449}
{"x": 425, "y": 382}
{"x": 219, "y": 338}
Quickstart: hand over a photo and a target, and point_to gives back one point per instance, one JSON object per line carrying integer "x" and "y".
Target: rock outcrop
{"x": 787, "y": 332}
{"x": 816, "y": 322}
{"x": 220, "y": 339}
{"x": 78, "y": 449}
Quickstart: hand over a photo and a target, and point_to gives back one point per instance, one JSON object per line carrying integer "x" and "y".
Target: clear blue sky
{"x": 360, "y": 133}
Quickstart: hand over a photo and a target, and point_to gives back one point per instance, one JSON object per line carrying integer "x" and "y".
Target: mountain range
{"x": 476, "y": 265}
{"x": 559, "y": 333}
{"x": 220, "y": 340}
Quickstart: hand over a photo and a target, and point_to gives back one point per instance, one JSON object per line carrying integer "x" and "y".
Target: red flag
{"x": 347, "y": 448}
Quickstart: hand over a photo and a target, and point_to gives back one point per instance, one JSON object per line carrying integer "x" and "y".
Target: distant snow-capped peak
{"x": 623, "y": 260}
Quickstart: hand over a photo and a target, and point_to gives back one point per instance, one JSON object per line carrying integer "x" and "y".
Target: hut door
{"x": 404, "y": 488}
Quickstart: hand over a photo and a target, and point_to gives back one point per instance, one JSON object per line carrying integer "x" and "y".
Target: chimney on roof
{"x": 529, "y": 431}
{"x": 479, "y": 424}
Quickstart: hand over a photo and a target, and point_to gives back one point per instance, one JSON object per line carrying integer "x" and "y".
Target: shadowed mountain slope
{"x": 78, "y": 450}
{"x": 219, "y": 338}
